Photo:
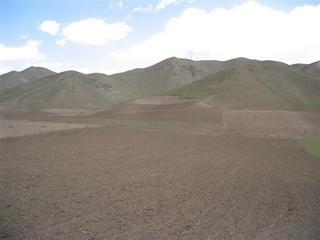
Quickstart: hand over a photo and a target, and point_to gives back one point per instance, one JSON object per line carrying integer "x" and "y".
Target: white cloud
{"x": 93, "y": 31}
{"x": 160, "y": 6}
{"x": 248, "y": 30}
{"x": 29, "y": 51}
{"x": 49, "y": 26}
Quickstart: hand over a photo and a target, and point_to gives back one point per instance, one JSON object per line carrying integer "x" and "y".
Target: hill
{"x": 238, "y": 84}
{"x": 172, "y": 73}
{"x": 313, "y": 69}
{"x": 258, "y": 85}
{"x": 68, "y": 89}
{"x": 15, "y": 78}
{"x": 33, "y": 73}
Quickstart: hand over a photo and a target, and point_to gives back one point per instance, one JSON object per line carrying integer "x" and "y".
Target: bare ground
{"x": 17, "y": 128}
{"x": 134, "y": 184}
{"x": 116, "y": 182}
{"x": 274, "y": 124}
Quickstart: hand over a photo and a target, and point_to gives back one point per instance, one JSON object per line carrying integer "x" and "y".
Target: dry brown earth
{"x": 114, "y": 182}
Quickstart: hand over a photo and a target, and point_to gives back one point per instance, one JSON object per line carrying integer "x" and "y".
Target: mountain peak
{"x": 33, "y": 73}
{"x": 30, "y": 68}
{"x": 35, "y": 68}
{"x": 172, "y": 59}
{"x": 71, "y": 73}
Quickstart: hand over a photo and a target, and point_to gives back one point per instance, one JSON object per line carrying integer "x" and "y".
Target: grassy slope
{"x": 11, "y": 79}
{"x": 67, "y": 90}
{"x": 238, "y": 84}
{"x": 312, "y": 69}
{"x": 33, "y": 73}
{"x": 265, "y": 85}
{"x": 14, "y": 78}
{"x": 162, "y": 77}
{"x": 311, "y": 146}
{"x": 172, "y": 73}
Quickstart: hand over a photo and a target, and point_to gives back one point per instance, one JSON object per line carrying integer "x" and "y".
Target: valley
{"x": 179, "y": 150}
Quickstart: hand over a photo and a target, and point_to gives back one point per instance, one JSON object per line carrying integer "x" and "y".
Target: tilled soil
{"x": 274, "y": 124}
{"x": 117, "y": 183}
{"x": 14, "y": 128}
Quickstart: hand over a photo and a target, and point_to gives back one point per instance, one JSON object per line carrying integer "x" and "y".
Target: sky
{"x": 111, "y": 36}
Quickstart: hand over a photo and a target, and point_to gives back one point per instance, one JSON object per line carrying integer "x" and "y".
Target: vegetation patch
{"x": 311, "y": 146}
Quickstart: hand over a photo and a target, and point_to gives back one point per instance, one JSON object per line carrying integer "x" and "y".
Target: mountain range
{"x": 14, "y": 78}
{"x": 234, "y": 84}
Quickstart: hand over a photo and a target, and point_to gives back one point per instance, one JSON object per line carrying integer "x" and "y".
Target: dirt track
{"x": 133, "y": 183}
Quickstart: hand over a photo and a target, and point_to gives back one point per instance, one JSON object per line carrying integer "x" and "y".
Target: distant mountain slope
{"x": 33, "y": 73}
{"x": 15, "y": 78}
{"x": 313, "y": 69}
{"x": 69, "y": 89}
{"x": 299, "y": 66}
{"x": 258, "y": 85}
{"x": 12, "y": 79}
{"x": 172, "y": 73}
{"x": 237, "y": 83}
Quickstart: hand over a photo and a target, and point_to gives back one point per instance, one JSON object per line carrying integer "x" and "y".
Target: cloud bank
{"x": 29, "y": 51}
{"x": 249, "y": 30}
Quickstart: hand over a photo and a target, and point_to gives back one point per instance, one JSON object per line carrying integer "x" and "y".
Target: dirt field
{"x": 172, "y": 181}
{"x": 276, "y": 124}
{"x": 12, "y": 128}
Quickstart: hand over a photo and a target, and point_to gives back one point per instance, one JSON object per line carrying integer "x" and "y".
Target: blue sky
{"x": 116, "y": 35}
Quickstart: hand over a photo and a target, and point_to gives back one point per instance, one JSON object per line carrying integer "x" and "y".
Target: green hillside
{"x": 236, "y": 84}
{"x": 172, "y": 73}
{"x": 67, "y": 90}
{"x": 259, "y": 85}
{"x": 14, "y": 78}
